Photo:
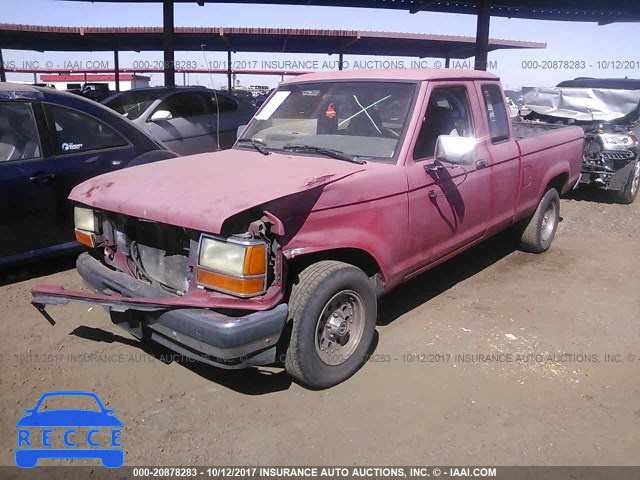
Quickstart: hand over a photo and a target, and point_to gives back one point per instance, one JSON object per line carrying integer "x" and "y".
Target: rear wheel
{"x": 540, "y": 230}
{"x": 333, "y": 308}
{"x": 630, "y": 191}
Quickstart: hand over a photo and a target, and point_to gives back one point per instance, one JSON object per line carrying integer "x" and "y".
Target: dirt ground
{"x": 548, "y": 396}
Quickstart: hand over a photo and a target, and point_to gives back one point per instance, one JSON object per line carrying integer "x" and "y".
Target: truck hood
{"x": 201, "y": 191}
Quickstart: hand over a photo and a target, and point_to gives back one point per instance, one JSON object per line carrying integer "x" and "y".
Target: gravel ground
{"x": 548, "y": 394}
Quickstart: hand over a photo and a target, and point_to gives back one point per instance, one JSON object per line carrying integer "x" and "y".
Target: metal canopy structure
{"x": 564, "y": 10}
{"x": 280, "y": 40}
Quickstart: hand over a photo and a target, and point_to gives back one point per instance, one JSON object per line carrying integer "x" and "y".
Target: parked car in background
{"x": 351, "y": 183}
{"x": 608, "y": 110}
{"x": 95, "y": 91}
{"x": 260, "y": 99}
{"x": 187, "y": 119}
{"x": 51, "y": 141}
{"x": 244, "y": 95}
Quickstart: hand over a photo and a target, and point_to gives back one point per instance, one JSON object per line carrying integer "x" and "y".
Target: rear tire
{"x": 539, "y": 231}
{"x": 333, "y": 308}
{"x": 629, "y": 193}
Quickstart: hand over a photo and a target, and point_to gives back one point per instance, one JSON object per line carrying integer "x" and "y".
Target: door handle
{"x": 480, "y": 164}
{"x": 41, "y": 177}
{"x": 432, "y": 167}
{"x": 116, "y": 162}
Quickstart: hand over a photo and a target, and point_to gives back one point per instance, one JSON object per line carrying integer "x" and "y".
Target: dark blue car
{"x": 54, "y": 433}
{"x": 50, "y": 141}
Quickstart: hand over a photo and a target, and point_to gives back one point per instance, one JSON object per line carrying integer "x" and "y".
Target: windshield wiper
{"x": 256, "y": 143}
{"x": 330, "y": 152}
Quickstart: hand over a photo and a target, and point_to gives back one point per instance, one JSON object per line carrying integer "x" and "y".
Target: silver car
{"x": 187, "y": 120}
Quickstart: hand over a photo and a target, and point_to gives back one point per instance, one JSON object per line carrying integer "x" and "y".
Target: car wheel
{"x": 540, "y": 230}
{"x": 629, "y": 193}
{"x": 333, "y": 309}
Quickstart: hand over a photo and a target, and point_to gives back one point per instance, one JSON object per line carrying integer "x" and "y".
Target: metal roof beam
{"x": 424, "y": 5}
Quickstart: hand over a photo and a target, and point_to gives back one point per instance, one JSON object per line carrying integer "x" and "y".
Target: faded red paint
{"x": 202, "y": 191}
{"x": 396, "y": 213}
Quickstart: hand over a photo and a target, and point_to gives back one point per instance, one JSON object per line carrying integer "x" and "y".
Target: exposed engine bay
{"x": 608, "y": 110}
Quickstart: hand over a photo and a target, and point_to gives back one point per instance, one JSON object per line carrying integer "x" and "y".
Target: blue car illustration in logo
{"x": 36, "y": 433}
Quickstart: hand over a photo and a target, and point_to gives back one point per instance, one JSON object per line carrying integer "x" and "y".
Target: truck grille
{"x": 162, "y": 253}
{"x": 618, "y": 154}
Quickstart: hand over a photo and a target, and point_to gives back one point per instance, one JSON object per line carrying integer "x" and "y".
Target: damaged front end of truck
{"x": 197, "y": 269}
{"x": 214, "y": 298}
{"x": 608, "y": 110}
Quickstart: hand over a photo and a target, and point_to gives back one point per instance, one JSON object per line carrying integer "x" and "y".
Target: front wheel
{"x": 630, "y": 191}
{"x": 333, "y": 308}
{"x": 540, "y": 230}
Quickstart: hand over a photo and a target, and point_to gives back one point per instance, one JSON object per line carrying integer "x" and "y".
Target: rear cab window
{"x": 497, "y": 118}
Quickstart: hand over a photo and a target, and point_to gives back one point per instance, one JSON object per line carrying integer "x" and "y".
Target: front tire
{"x": 333, "y": 308}
{"x": 629, "y": 193}
{"x": 540, "y": 230}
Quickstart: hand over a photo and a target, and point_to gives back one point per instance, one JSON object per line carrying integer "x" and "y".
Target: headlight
{"x": 86, "y": 226}
{"x": 85, "y": 219}
{"x": 611, "y": 141}
{"x": 234, "y": 265}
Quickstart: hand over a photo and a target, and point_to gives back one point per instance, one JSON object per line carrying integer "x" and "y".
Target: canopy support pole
{"x": 482, "y": 34}
{"x": 167, "y": 42}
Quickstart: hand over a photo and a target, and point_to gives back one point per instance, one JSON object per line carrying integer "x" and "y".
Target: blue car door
{"x": 84, "y": 147}
{"x": 28, "y": 180}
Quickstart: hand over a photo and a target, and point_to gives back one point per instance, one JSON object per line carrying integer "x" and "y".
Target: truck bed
{"x": 524, "y": 130}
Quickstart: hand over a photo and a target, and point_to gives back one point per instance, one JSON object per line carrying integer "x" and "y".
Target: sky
{"x": 597, "y": 48}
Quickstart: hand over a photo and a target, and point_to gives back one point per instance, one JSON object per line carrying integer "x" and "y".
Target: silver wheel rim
{"x": 340, "y": 327}
{"x": 635, "y": 184}
{"x": 549, "y": 222}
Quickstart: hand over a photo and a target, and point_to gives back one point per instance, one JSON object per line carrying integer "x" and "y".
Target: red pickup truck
{"x": 343, "y": 186}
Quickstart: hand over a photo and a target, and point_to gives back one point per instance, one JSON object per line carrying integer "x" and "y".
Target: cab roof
{"x": 396, "y": 74}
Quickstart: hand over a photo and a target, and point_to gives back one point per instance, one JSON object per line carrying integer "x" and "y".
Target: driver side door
{"x": 449, "y": 205}
{"x": 29, "y": 203}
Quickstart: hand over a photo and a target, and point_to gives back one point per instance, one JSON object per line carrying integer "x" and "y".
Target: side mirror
{"x": 161, "y": 115}
{"x": 240, "y": 130}
{"x": 456, "y": 150}
{"x": 29, "y": 410}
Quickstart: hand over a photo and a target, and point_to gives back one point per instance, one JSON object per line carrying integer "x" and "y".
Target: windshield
{"x": 132, "y": 104}
{"x": 359, "y": 119}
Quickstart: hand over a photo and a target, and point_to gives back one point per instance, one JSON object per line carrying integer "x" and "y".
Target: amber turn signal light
{"x": 85, "y": 238}
{"x": 255, "y": 260}
{"x": 238, "y": 286}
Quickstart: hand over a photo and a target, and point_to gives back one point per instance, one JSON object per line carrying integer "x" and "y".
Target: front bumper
{"x": 614, "y": 177}
{"x": 197, "y": 333}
